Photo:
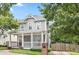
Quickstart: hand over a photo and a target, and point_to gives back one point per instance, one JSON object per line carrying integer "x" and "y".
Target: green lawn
{"x": 74, "y": 53}
{"x": 3, "y": 48}
{"x": 30, "y": 52}
{"x": 24, "y": 51}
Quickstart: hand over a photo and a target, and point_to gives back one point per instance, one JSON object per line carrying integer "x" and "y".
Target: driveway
{"x": 7, "y": 52}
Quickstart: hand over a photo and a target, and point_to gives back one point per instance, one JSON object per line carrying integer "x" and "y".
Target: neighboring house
{"x": 2, "y": 40}
{"x": 31, "y": 33}
{"x": 5, "y": 37}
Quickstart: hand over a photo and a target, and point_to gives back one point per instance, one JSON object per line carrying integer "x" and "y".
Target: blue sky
{"x": 20, "y": 11}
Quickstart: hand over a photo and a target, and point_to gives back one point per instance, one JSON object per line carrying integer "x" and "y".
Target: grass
{"x": 24, "y": 51}
{"x": 3, "y": 48}
{"x": 30, "y": 52}
{"x": 74, "y": 53}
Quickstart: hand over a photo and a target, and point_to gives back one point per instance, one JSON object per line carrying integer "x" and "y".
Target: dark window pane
{"x": 27, "y": 38}
{"x": 44, "y": 38}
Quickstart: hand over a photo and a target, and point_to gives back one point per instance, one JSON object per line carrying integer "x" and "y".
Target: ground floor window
{"x": 27, "y": 38}
{"x": 36, "y": 38}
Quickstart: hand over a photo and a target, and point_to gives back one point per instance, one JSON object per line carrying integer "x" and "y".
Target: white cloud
{"x": 11, "y": 9}
{"x": 19, "y": 4}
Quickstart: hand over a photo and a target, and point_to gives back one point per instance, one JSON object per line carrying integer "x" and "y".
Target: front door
{"x": 20, "y": 41}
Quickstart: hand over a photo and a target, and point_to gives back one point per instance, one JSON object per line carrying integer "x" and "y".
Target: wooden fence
{"x": 64, "y": 47}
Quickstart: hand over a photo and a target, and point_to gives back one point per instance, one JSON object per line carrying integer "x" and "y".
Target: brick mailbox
{"x": 44, "y": 48}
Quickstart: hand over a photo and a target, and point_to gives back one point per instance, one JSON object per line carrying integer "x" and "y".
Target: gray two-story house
{"x": 32, "y": 32}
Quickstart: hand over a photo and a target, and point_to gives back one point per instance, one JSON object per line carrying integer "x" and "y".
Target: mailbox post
{"x": 44, "y": 48}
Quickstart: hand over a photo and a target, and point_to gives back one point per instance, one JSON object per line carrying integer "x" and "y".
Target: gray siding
{"x": 36, "y": 26}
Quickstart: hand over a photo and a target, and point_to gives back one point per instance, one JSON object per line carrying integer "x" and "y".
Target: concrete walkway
{"x": 7, "y": 52}
{"x": 58, "y": 53}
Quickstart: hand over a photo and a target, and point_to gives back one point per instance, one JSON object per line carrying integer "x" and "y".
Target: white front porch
{"x": 32, "y": 40}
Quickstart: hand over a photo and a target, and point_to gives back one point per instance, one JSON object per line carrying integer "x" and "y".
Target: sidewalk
{"x": 58, "y": 53}
{"x": 7, "y": 52}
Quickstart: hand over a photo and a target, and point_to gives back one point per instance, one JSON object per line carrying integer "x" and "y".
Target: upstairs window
{"x": 22, "y": 27}
{"x": 30, "y": 27}
{"x": 38, "y": 27}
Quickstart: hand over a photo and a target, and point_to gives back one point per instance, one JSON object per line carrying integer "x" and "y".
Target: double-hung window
{"x": 38, "y": 26}
{"x": 22, "y": 27}
{"x": 30, "y": 27}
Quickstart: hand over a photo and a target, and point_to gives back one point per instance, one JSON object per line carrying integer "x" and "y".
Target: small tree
{"x": 7, "y": 20}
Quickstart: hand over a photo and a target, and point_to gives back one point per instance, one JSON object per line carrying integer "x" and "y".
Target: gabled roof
{"x": 35, "y": 17}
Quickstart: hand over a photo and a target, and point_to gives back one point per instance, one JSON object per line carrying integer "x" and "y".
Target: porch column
{"x": 42, "y": 37}
{"x": 17, "y": 41}
{"x": 9, "y": 41}
{"x": 22, "y": 40}
{"x": 46, "y": 37}
{"x": 31, "y": 40}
